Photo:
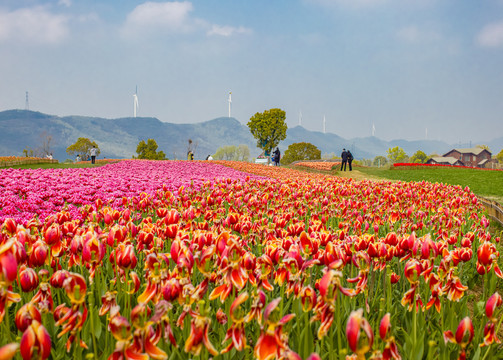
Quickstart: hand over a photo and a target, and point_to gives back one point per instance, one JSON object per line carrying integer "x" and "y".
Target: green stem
{"x": 496, "y": 331}
{"x": 414, "y": 325}
{"x": 93, "y": 326}
{"x": 339, "y": 315}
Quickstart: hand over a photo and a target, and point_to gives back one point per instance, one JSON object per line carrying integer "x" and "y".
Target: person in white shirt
{"x": 93, "y": 153}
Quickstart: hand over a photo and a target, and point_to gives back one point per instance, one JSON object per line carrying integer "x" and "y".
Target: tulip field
{"x": 228, "y": 260}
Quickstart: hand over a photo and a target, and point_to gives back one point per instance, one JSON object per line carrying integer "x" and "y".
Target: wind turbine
{"x": 230, "y": 102}
{"x": 300, "y": 118}
{"x": 373, "y": 129}
{"x": 324, "y": 125}
{"x": 135, "y": 102}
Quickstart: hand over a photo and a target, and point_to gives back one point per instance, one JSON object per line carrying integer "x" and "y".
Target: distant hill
{"x": 118, "y": 138}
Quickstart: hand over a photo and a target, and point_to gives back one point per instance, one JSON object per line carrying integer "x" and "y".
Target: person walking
{"x": 350, "y": 159}
{"x": 93, "y": 153}
{"x": 344, "y": 157}
{"x": 277, "y": 156}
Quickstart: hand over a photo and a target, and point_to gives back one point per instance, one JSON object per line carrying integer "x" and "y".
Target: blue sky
{"x": 411, "y": 67}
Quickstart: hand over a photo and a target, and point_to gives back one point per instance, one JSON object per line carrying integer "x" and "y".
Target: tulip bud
{"x": 38, "y": 254}
{"x": 28, "y": 279}
{"x": 493, "y": 302}
{"x": 8, "y": 266}
{"x": 35, "y": 339}
{"x": 8, "y": 351}
{"x": 25, "y": 316}
{"x": 53, "y": 234}
{"x": 356, "y": 323}
{"x": 464, "y": 332}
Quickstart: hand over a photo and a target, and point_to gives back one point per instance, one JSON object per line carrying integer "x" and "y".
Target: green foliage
{"x": 27, "y": 152}
{"x": 380, "y": 161}
{"x": 301, "y": 151}
{"x": 482, "y": 182}
{"x": 482, "y": 146}
{"x": 363, "y": 162}
{"x": 500, "y": 156}
{"x": 148, "y": 150}
{"x": 396, "y": 155}
{"x": 269, "y": 128}
{"x": 330, "y": 156}
{"x": 419, "y": 157}
{"x": 82, "y": 147}
{"x": 232, "y": 152}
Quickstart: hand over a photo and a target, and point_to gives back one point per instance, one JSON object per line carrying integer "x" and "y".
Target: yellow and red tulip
{"x": 356, "y": 323}
{"x": 35, "y": 342}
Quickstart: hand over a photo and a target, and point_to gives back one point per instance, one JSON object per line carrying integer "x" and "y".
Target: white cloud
{"x": 227, "y": 30}
{"x": 491, "y": 35}
{"x": 413, "y": 34}
{"x": 349, "y": 3}
{"x": 171, "y": 16}
{"x": 66, "y": 3}
{"x": 33, "y": 25}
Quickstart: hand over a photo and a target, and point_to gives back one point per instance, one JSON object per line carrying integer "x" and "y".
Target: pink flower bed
{"x": 25, "y": 193}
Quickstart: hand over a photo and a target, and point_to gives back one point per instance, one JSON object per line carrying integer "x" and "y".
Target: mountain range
{"x": 118, "y": 138}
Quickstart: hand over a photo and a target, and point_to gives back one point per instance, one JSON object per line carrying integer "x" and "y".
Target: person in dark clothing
{"x": 277, "y": 156}
{"x": 350, "y": 159}
{"x": 344, "y": 157}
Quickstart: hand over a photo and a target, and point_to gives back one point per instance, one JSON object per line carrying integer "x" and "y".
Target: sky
{"x": 398, "y": 69}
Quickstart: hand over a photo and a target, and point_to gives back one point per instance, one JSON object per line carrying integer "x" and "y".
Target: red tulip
{"x": 236, "y": 314}
{"x": 8, "y": 263}
{"x": 412, "y": 270}
{"x": 35, "y": 339}
{"x": 58, "y": 278}
{"x": 28, "y": 279}
{"x": 120, "y": 328}
{"x": 10, "y": 225}
{"x": 356, "y": 323}
{"x": 53, "y": 234}
{"x": 126, "y": 257}
{"x": 172, "y": 290}
{"x": 385, "y": 326}
{"x": 493, "y": 302}
{"x": 76, "y": 288}
{"x": 464, "y": 333}
{"x": 38, "y": 254}
{"x": 26, "y": 315}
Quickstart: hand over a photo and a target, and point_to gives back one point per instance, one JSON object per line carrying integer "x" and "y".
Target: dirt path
{"x": 358, "y": 175}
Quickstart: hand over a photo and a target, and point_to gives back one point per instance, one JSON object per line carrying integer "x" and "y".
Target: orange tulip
{"x": 8, "y": 351}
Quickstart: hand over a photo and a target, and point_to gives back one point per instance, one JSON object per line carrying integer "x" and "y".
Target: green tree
{"x": 380, "y": 161}
{"x": 419, "y": 157}
{"x": 225, "y": 153}
{"x": 482, "y": 146}
{"x": 300, "y": 151}
{"x": 148, "y": 150}
{"x": 396, "y": 155}
{"x": 269, "y": 128}
{"x": 82, "y": 147}
{"x": 243, "y": 153}
{"x": 232, "y": 152}
{"x": 500, "y": 156}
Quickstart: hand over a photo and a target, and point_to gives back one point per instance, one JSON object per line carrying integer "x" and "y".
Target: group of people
{"x": 347, "y": 158}
{"x": 93, "y": 152}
